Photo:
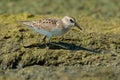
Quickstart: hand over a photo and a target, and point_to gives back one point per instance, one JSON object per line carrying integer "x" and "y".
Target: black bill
{"x": 78, "y": 26}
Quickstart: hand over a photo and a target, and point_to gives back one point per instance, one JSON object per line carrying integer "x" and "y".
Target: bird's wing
{"x": 48, "y": 24}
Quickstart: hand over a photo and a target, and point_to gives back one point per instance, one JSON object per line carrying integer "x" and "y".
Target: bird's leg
{"x": 44, "y": 40}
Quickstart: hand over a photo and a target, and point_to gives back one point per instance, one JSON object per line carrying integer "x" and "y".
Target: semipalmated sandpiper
{"x": 52, "y": 26}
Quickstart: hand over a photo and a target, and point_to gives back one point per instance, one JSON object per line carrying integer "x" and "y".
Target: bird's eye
{"x": 71, "y": 20}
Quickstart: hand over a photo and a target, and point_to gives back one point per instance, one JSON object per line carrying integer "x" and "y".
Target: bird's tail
{"x": 28, "y": 23}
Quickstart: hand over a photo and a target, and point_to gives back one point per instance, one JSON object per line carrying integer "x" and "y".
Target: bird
{"x": 50, "y": 27}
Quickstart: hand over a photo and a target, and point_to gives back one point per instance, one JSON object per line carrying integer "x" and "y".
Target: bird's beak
{"x": 76, "y": 24}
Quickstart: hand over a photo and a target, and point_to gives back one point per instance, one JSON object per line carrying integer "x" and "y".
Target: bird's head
{"x": 70, "y": 21}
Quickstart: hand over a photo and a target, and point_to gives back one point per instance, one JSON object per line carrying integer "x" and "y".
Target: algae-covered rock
{"x": 97, "y": 45}
{"x": 90, "y": 54}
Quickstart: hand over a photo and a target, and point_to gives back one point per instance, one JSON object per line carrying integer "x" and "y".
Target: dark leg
{"x": 44, "y": 40}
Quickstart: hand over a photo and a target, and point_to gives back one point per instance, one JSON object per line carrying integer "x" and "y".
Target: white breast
{"x": 59, "y": 32}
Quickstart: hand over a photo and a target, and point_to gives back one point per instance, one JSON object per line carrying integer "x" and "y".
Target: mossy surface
{"x": 97, "y": 45}
{"x": 89, "y": 54}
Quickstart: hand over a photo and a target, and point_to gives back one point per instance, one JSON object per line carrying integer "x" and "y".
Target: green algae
{"x": 89, "y": 54}
{"x": 64, "y": 73}
{"x": 21, "y": 48}
{"x": 98, "y": 36}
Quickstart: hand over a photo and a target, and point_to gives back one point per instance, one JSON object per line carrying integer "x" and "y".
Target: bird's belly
{"x": 44, "y": 32}
{"x": 58, "y": 32}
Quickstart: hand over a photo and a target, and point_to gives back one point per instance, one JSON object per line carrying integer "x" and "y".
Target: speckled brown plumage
{"x": 51, "y": 26}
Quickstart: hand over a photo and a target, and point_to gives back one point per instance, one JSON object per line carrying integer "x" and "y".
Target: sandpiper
{"x": 50, "y": 27}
